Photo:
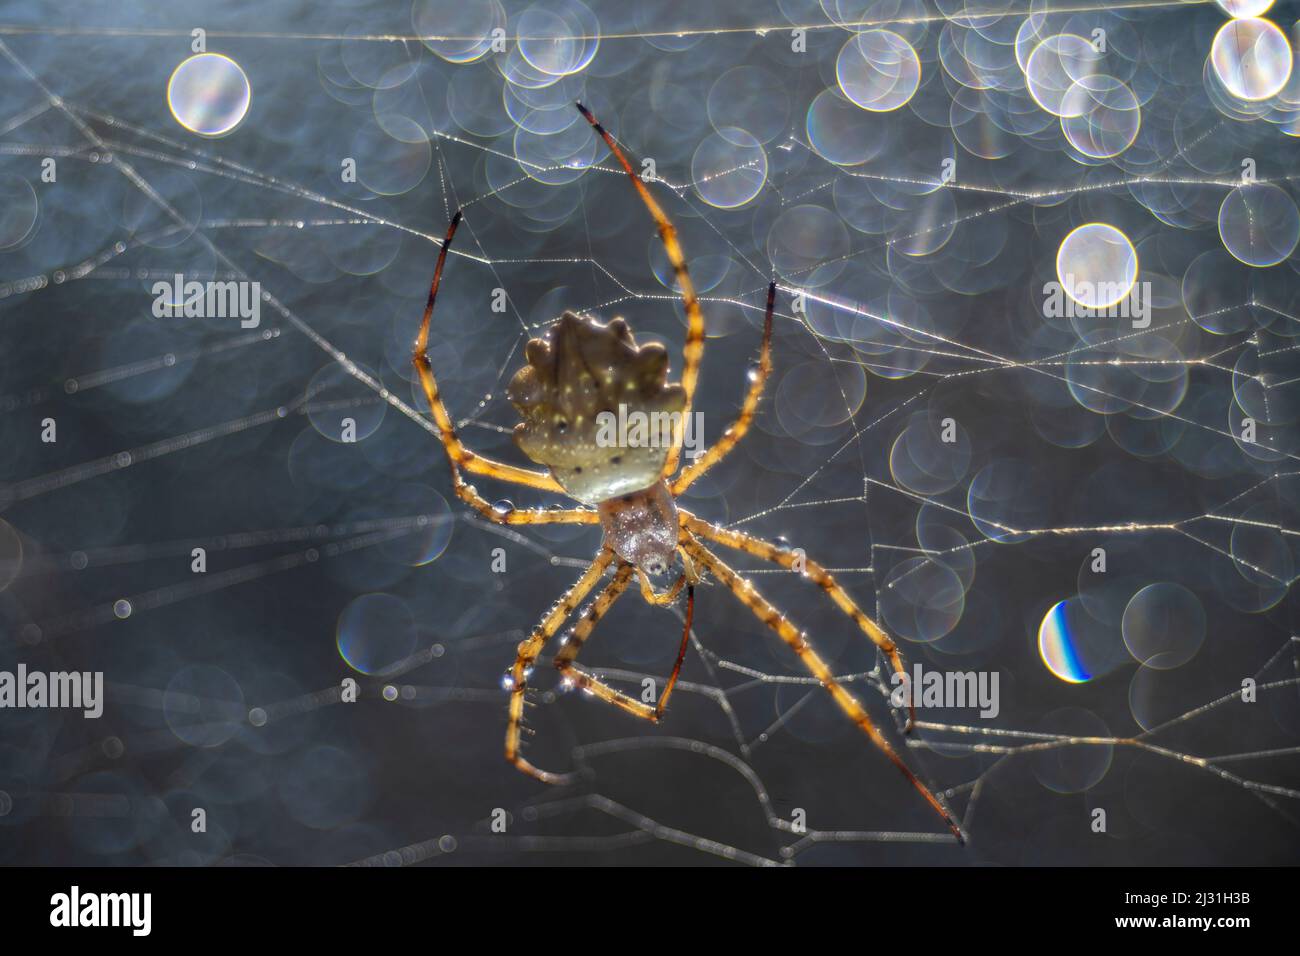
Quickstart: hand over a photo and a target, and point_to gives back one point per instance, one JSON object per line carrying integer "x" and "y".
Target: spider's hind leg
{"x": 565, "y": 660}
{"x": 774, "y": 619}
{"x": 787, "y": 558}
{"x": 529, "y": 649}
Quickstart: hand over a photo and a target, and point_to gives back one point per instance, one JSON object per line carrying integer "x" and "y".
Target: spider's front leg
{"x": 458, "y": 456}
{"x": 732, "y": 436}
{"x": 693, "y": 347}
{"x": 517, "y": 679}
{"x": 512, "y": 515}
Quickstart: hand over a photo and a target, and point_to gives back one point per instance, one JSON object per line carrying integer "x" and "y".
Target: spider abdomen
{"x": 597, "y": 408}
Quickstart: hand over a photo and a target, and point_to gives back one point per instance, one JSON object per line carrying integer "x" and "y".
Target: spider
{"x": 582, "y": 368}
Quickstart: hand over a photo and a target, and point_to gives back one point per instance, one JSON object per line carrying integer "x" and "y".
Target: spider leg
{"x": 769, "y": 615}
{"x": 732, "y": 436}
{"x": 458, "y": 455}
{"x": 525, "y": 515}
{"x": 532, "y": 647}
{"x": 666, "y": 597}
{"x": 693, "y": 350}
{"x": 572, "y": 674}
{"x": 787, "y": 558}
{"x": 681, "y": 651}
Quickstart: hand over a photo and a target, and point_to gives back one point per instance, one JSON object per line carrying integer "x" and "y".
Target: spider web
{"x": 223, "y": 687}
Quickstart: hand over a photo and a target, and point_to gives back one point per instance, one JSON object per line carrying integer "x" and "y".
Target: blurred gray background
{"x": 329, "y": 559}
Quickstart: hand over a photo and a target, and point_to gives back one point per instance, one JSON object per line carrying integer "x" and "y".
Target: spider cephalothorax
{"x": 642, "y": 527}
{"x": 581, "y": 381}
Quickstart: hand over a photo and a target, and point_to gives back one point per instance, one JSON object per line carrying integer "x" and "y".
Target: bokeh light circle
{"x": 11, "y": 554}
{"x": 203, "y": 705}
{"x": 376, "y": 632}
{"x": 729, "y": 168}
{"x": 1244, "y": 8}
{"x": 1057, "y": 646}
{"x": 466, "y": 25}
{"x": 1100, "y": 116}
{"x": 1096, "y": 265}
{"x": 1251, "y": 58}
{"x": 807, "y": 243}
{"x": 1163, "y": 625}
{"x": 878, "y": 70}
{"x": 209, "y": 94}
{"x": 750, "y": 98}
{"x": 1259, "y": 224}
{"x": 19, "y": 208}
{"x": 558, "y": 38}
{"x": 1055, "y": 65}
{"x": 841, "y": 133}
{"x": 1073, "y": 769}
{"x": 922, "y": 600}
